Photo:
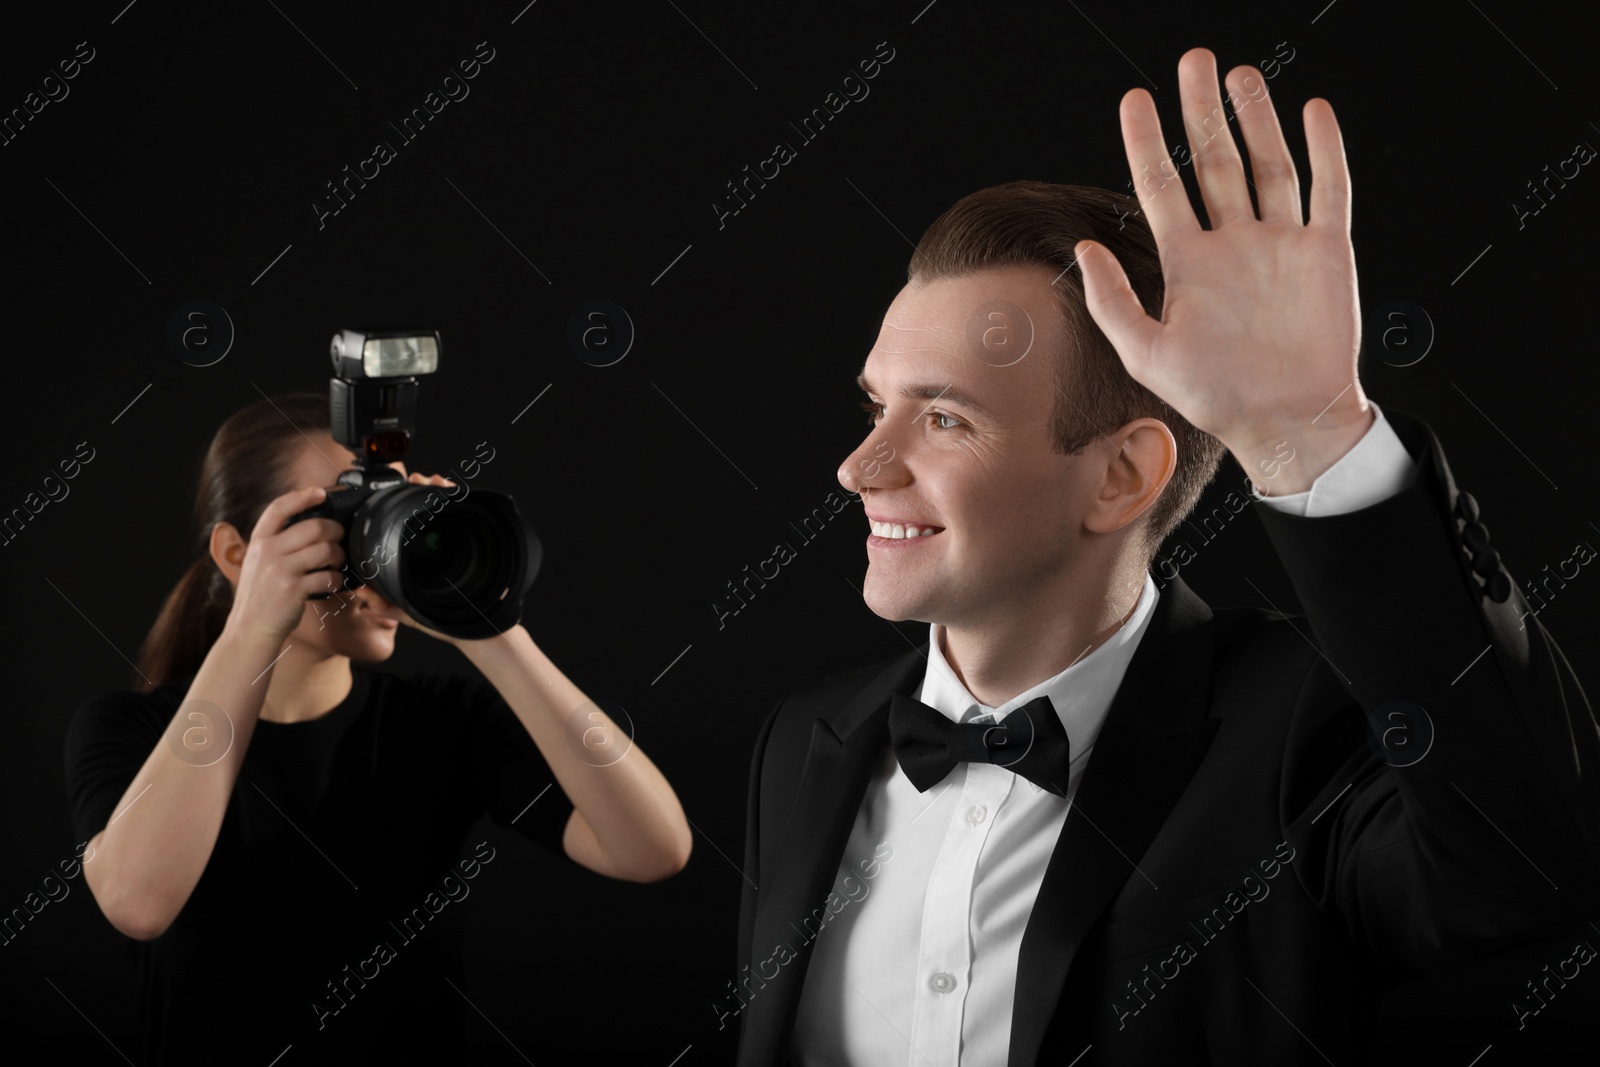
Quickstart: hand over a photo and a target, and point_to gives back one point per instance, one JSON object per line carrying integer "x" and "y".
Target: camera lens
{"x": 460, "y": 566}
{"x": 458, "y": 555}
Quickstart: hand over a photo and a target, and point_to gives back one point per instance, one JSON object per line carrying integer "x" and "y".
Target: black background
{"x": 585, "y": 160}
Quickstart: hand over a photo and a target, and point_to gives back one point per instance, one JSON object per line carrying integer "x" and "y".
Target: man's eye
{"x": 874, "y": 409}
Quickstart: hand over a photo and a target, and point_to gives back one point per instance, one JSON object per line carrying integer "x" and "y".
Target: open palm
{"x": 1260, "y": 329}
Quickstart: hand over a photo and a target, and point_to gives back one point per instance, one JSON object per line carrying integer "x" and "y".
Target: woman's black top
{"x": 325, "y": 918}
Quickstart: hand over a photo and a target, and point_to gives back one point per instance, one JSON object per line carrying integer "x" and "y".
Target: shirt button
{"x": 942, "y": 983}
{"x": 977, "y": 814}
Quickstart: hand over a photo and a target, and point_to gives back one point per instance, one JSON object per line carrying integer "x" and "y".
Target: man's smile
{"x": 897, "y": 529}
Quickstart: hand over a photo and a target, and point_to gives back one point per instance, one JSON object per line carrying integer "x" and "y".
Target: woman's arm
{"x": 150, "y": 855}
{"x": 627, "y": 821}
{"x": 142, "y": 867}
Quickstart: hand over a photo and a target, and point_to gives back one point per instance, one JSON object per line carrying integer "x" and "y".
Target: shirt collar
{"x": 1081, "y": 693}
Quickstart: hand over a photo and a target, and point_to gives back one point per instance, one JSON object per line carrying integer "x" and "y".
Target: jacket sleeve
{"x": 1440, "y": 771}
{"x": 752, "y": 844}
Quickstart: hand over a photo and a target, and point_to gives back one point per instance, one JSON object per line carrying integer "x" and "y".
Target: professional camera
{"x": 458, "y": 560}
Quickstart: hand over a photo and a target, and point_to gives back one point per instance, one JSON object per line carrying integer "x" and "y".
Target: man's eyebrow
{"x": 932, "y": 391}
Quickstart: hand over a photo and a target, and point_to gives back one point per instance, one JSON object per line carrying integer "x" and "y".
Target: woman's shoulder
{"x": 128, "y": 711}
{"x": 167, "y": 696}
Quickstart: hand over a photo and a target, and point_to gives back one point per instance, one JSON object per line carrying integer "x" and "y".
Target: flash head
{"x": 361, "y": 354}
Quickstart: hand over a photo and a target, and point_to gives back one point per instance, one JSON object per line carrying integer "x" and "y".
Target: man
{"x": 1093, "y": 821}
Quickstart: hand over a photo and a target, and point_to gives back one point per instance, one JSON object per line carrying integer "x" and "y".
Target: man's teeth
{"x": 898, "y": 531}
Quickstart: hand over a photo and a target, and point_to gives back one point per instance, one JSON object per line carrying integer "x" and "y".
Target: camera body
{"x": 458, "y": 560}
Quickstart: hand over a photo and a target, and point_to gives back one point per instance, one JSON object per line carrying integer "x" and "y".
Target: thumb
{"x": 1114, "y": 306}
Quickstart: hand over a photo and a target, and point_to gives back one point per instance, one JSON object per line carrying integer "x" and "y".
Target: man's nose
{"x": 876, "y": 463}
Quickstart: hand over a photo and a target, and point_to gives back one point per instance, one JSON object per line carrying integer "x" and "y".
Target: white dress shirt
{"x": 921, "y": 969}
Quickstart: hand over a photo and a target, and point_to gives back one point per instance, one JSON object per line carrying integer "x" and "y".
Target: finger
{"x": 1155, "y": 179}
{"x": 275, "y": 514}
{"x": 328, "y": 584}
{"x": 308, "y": 532}
{"x": 1330, "y": 170}
{"x": 1115, "y": 307}
{"x": 1271, "y": 166}
{"x": 313, "y": 557}
{"x": 1217, "y": 166}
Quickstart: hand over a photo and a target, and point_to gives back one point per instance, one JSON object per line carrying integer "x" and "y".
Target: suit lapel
{"x": 846, "y": 741}
{"x": 1152, "y": 741}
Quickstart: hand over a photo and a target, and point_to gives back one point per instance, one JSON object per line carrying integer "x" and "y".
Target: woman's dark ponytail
{"x": 241, "y": 474}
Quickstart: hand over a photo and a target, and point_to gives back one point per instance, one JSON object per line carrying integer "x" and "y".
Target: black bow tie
{"x": 1030, "y": 741}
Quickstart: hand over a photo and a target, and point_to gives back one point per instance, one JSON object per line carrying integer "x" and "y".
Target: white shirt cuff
{"x": 1376, "y": 468}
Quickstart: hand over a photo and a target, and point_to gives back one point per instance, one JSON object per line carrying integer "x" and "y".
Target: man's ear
{"x": 1145, "y": 456}
{"x": 227, "y": 550}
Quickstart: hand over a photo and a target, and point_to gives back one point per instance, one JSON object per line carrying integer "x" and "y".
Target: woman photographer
{"x": 274, "y": 824}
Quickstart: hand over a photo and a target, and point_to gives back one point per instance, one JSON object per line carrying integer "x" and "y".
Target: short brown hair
{"x": 1040, "y": 223}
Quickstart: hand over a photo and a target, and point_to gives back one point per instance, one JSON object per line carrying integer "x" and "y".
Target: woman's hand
{"x": 281, "y": 567}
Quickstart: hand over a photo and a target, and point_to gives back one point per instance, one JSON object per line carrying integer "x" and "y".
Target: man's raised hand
{"x": 1260, "y": 328}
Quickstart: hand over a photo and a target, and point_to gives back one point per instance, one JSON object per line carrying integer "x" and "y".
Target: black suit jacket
{"x": 1287, "y": 866}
